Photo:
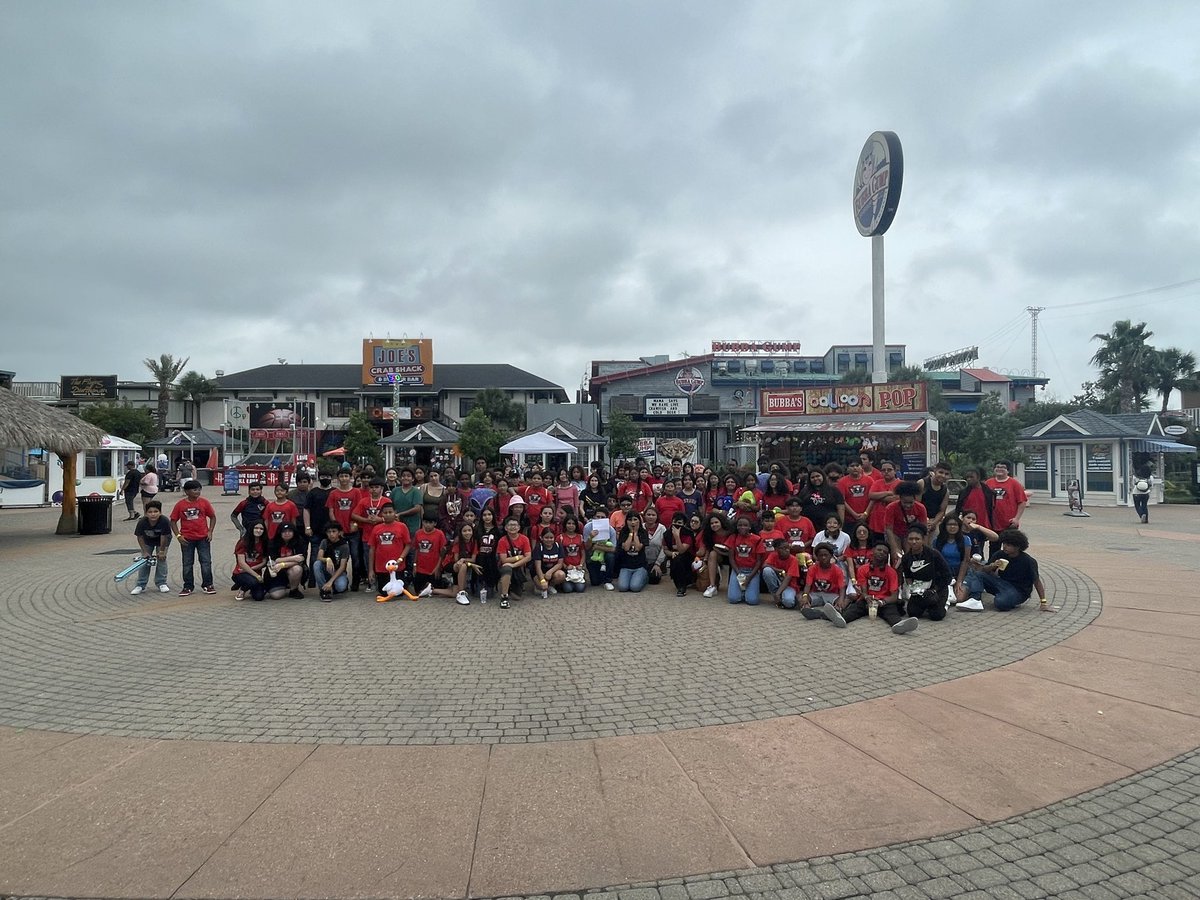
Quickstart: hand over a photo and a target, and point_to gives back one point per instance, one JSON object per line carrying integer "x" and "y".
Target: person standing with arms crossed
{"x": 193, "y": 520}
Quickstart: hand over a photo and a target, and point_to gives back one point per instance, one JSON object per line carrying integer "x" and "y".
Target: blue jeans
{"x": 160, "y": 573}
{"x": 632, "y": 579}
{"x": 340, "y": 584}
{"x": 569, "y": 586}
{"x": 192, "y": 549}
{"x": 1007, "y": 596}
{"x": 748, "y": 595}
{"x": 770, "y": 580}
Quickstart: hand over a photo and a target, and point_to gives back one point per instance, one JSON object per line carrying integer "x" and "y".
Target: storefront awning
{"x": 1147, "y": 445}
{"x": 839, "y": 426}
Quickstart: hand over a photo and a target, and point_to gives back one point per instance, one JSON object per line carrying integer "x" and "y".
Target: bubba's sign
{"x": 844, "y": 399}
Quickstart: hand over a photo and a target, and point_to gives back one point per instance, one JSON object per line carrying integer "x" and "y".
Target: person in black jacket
{"x": 924, "y": 577}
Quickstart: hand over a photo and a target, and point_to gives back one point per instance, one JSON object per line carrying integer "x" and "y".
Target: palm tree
{"x": 1174, "y": 368}
{"x": 165, "y": 370}
{"x": 197, "y": 388}
{"x": 1126, "y": 363}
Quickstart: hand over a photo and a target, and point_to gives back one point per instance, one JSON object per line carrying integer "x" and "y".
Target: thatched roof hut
{"x": 28, "y": 423}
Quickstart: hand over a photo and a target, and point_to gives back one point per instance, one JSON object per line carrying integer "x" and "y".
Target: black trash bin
{"x": 95, "y": 515}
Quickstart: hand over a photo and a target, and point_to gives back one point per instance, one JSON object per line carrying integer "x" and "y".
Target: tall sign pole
{"x": 877, "y": 181}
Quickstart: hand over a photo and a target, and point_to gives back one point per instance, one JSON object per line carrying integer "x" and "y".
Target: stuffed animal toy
{"x": 395, "y": 586}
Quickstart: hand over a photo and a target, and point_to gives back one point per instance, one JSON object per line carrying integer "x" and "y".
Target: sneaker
{"x": 209, "y": 589}
{"x": 608, "y": 586}
{"x": 504, "y": 603}
{"x": 554, "y": 592}
{"x": 811, "y": 612}
{"x": 972, "y": 605}
{"x": 163, "y": 589}
{"x": 710, "y": 591}
{"x": 294, "y": 593}
{"x": 137, "y": 590}
{"x": 830, "y": 612}
{"x": 904, "y": 626}
{"x": 483, "y": 595}
{"x": 426, "y": 591}
{"x": 680, "y": 592}
{"x": 462, "y": 599}
{"x": 326, "y": 597}
{"x": 186, "y": 592}
{"x": 545, "y": 595}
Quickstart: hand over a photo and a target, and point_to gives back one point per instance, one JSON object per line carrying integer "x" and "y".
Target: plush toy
{"x": 395, "y": 585}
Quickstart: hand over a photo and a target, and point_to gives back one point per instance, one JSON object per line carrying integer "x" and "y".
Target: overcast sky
{"x": 547, "y": 183}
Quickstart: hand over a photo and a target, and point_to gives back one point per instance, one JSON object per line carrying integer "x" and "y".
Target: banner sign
{"x": 690, "y": 380}
{"x": 877, "y": 181}
{"x": 666, "y": 406}
{"x": 906, "y": 397}
{"x": 281, "y": 414}
{"x": 755, "y": 346}
{"x": 88, "y": 387}
{"x": 404, "y": 362}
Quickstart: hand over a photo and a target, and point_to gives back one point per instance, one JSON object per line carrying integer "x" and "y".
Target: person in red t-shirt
{"x": 280, "y": 510}
{"x": 573, "y": 548}
{"x": 770, "y": 532}
{"x": 537, "y": 496}
{"x": 459, "y": 558}
{"x": 389, "y": 541}
{"x": 883, "y": 492}
{"x": 745, "y": 562}
{"x": 1008, "y": 498}
{"x": 668, "y": 504}
{"x": 856, "y": 491}
{"x": 777, "y": 491}
{"x": 901, "y": 514}
{"x": 429, "y": 546}
{"x": 340, "y": 503}
{"x": 781, "y": 573}
{"x": 825, "y": 589}
{"x": 514, "y": 554}
{"x": 880, "y": 587}
{"x": 796, "y": 527}
{"x": 639, "y": 489}
{"x": 193, "y": 520}
{"x": 545, "y": 522}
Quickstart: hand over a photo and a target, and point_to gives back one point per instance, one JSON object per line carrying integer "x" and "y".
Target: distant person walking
{"x": 1143, "y": 482}
{"x": 129, "y": 489}
{"x": 148, "y": 484}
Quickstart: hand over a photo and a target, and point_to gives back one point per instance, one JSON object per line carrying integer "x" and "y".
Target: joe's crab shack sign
{"x": 904, "y": 397}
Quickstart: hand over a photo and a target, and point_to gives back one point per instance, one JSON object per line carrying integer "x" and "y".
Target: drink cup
{"x": 1001, "y": 564}
{"x": 873, "y": 609}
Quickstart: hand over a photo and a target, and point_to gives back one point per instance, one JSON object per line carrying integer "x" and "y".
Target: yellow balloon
{"x": 109, "y": 485}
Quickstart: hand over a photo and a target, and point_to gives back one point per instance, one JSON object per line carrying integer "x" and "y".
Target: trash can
{"x": 204, "y": 476}
{"x": 95, "y": 515}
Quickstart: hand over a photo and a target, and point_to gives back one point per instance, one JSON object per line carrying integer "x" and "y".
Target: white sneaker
{"x": 462, "y": 599}
{"x": 137, "y": 590}
{"x": 971, "y": 605}
{"x": 608, "y": 586}
{"x": 904, "y": 626}
{"x": 426, "y": 591}
{"x": 163, "y": 589}
{"x": 553, "y": 592}
{"x": 710, "y": 591}
{"x": 545, "y": 595}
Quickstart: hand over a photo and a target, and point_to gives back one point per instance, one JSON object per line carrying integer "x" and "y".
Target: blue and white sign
{"x": 877, "y": 181}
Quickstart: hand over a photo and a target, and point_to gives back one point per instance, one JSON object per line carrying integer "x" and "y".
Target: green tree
{"x": 623, "y": 434}
{"x": 165, "y": 370}
{"x": 1173, "y": 368}
{"x": 856, "y": 376}
{"x": 197, "y": 388}
{"x": 1036, "y": 413}
{"x": 506, "y": 415}
{"x": 479, "y": 437}
{"x": 134, "y": 423}
{"x": 981, "y": 437}
{"x": 1125, "y": 360}
{"x": 362, "y": 440}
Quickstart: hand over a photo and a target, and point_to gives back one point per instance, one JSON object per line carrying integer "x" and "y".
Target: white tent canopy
{"x": 112, "y": 442}
{"x": 540, "y": 442}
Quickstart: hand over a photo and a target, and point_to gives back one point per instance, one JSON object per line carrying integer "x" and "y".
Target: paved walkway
{"x": 598, "y": 740}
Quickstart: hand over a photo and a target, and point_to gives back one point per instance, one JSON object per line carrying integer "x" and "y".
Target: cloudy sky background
{"x": 547, "y": 183}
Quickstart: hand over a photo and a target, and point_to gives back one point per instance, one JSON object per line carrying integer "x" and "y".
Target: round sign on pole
{"x": 877, "y": 181}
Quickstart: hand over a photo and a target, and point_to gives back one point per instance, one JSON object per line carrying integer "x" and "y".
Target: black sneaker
{"x": 296, "y": 594}
{"x": 504, "y": 603}
{"x": 208, "y": 589}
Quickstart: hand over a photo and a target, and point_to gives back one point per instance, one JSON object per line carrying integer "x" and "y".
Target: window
{"x": 843, "y": 363}
{"x": 861, "y": 361}
{"x": 97, "y": 463}
{"x": 465, "y": 405}
{"x": 735, "y": 365}
{"x": 817, "y": 366}
{"x": 341, "y": 407}
{"x": 895, "y": 360}
{"x": 800, "y": 365}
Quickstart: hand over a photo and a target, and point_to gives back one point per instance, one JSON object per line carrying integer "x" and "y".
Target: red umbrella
{"x": 337, "y": 451}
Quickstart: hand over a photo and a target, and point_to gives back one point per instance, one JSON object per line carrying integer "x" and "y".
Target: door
{"x": 1067, "y": 468}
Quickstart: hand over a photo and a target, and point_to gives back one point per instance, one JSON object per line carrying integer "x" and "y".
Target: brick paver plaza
{"x": 641, "y": 746}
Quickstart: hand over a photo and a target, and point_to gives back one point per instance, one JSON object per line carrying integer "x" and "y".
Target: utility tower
{"x": 1033, "y": 315}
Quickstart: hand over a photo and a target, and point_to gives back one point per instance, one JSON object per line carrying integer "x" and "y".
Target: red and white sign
{"x": 755, "y": 346}
{"x": 906, "y": 397}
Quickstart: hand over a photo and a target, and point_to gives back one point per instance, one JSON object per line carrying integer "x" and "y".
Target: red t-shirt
{"x": 513, "y": 546}
{"x": 277, "y": 513}
{"x": 1007, "y": 495}
{"x": 976, "y": 502}
{"x": 899, "y": 521}
{"x": 429, "y": 547}
{"x": 878, "y": 520}
{"x": 641, "y": 492}
{"x": 341, "y": 504}
{"x": 253, "y": 557}
{"x": 390, "y": 542}
{"x": 743, "y": 550}
{"x": 857, "y": 557}
{"x": 825, "y": 581}
{"x": 535, "y": 533}
{"x": 878, "y": 583}
{"x": 572, "y": 545}
{"x": 368, "y": 506}
{"x": 456, "y": 551}
{"x": 535, "y": 499}
{"x": 668, "y": 507}
{"x": 790, "y": 567}
{"x": 855, "y": 492}
{"x": 193, "y": 516}
{"x": 769, "y": 538}
{"x": 796, "y": 530}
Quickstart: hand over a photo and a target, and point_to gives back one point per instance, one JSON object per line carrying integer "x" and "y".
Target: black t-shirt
{"x": 335, "y": 552}
{"x": 819, "y": 503}
{"x": 1021, "y": 573}
{"x": 928, "y": 565}
{"x": 637, "y": 559}
{"x": 318, "y": 512}
{"x": 158, "y": 535}
{"x": 132, "y": 479}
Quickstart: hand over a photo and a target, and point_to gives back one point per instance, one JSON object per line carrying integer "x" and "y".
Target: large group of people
{"x": 836, "y": 543}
